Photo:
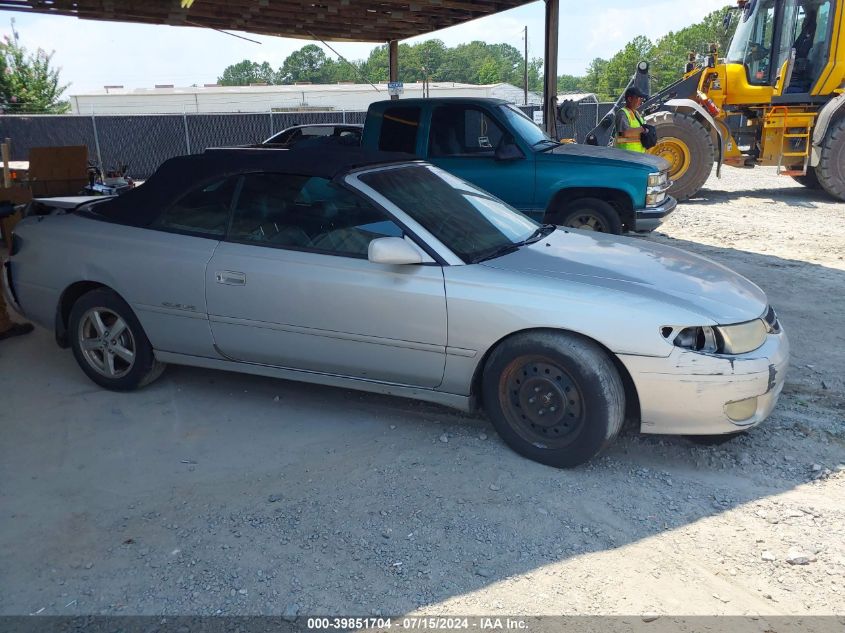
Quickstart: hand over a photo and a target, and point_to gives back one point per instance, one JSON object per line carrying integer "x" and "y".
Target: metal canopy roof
{"x": 337, "y": 20}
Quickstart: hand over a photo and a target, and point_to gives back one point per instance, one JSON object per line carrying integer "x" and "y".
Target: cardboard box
{"x": 57, "y": 187}
{"x": 58, "y": 163}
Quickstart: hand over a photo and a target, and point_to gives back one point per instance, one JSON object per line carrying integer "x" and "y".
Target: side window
{"x": 399, "y": 129}
{"x": 463, "y": 131}
{"x": 203, "y": 212}
{"x": 759, "y": 55}
{"x": 305, "y": 213}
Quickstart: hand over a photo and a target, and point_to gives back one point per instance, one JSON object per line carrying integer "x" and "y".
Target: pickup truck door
{"x": 463, "y": 138}
{"x": 292, "y": 287}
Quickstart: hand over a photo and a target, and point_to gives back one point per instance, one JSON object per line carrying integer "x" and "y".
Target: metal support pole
{"x": 525, "y": 69}
{"x": 550, "y": 67}
{"x": 393, "y": 62}
{"x": 187, "y": 138}
{"x": 97, "y": 143}
{"x": 7, "y": 158}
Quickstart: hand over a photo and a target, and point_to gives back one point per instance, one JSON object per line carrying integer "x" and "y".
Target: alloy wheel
{"x": 107, "y": 343}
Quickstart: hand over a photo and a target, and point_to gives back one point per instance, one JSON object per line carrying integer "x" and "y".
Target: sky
{"x": 93, "y": 54}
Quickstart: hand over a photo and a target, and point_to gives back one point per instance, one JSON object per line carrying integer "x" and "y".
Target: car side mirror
{"x": 508, "y": 150}
{"x": 394, "y": 251}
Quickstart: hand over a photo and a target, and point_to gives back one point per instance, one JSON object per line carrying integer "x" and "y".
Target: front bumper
{"x": 649, "y": 218}
{"x": 687, "y": 392}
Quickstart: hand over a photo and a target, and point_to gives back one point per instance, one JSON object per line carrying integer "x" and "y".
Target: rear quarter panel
{"x": 146, "y": 268}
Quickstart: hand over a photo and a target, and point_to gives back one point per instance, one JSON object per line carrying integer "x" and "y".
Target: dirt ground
{"x": 218, "y": 493}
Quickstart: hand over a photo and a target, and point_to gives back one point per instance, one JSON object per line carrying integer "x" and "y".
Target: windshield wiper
{"x": 552, "y": 143}
{"x": 542, "y": 231}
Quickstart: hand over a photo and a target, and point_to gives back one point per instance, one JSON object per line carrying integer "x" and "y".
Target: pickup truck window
{"x": 470, "y": 222}
{"x": 463, "y": 131}
{"x": 525, "y": 127}
{"x": 399, "y": 129}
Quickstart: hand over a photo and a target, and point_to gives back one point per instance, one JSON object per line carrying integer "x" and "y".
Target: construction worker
{"x": 629, "y": 123}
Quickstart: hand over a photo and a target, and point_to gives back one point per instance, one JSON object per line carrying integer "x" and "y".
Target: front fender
{"x": 630, "y": 183}
{"x": 826, "y": 116}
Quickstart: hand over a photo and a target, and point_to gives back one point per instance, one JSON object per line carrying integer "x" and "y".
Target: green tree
{"x": 569, "y": 83}
{"x": 670, "y": 51}
{"x": 28, "y": 82}
{"x": 489, "y": 72}
{"x": 306, "y": 64}
{"x": 247, "y": 72}
{"x": 595, "y": 71}
{"x": 535, "y": 75}
{"x": 621, "y": 67}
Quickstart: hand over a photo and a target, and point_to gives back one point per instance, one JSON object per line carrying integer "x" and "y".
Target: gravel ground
{"x": 217, "y": 493}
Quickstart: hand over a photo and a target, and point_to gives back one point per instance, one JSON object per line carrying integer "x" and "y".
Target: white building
{"x": 210, "y": 99}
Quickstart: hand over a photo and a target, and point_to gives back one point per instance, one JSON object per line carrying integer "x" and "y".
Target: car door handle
{"x": 230, "y": 278}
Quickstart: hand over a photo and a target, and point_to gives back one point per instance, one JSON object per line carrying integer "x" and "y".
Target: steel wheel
{"x": 676, "y": 153}
{"x": 543, "y": 402}
{"x": 589, "y": 214}
{"x": 106, "y": 343}
{"x": 587, "y": 222}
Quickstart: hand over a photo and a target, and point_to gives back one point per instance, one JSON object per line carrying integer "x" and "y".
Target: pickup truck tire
{"x": 590, "y": 214}
{"x": 831, "y": 167}
{"x": 687, "y": 145}
{"x": 109, "y": 343}
{"x": 553, "y": 397}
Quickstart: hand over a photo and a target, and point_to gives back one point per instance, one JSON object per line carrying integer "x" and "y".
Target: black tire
{"x": 695, "y": 166}
{"x": 92, "y": 349}
{"x": 831, "y": 167}
{"x": 576, "y": 385}
{"x": 590, "y": 214}
{"x": 811, "y": 180}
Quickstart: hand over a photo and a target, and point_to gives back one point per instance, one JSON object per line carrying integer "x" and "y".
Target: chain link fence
{"x": 143, "y": 142}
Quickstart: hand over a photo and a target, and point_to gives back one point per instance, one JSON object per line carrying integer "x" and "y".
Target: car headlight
{"x": 658, "y": 179}
{"x": 697, "y": 339}
{"x": 743, "y": 337}
{"x": 658, "y": 185}
{"x": 719, "y": 339}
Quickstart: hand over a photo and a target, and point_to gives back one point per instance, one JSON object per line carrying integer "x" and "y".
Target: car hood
{"x": 642, "y": 268}
{"x": 654, "y": 163}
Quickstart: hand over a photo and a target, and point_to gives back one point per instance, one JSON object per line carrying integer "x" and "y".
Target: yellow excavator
{"x": 777, "y": 98}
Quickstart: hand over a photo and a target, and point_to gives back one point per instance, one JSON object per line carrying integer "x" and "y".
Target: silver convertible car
{"x": 374, "y": 271}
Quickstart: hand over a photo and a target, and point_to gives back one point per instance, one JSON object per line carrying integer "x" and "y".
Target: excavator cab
{"x": 776, "y": 97}
{"x": 782, "y": 44}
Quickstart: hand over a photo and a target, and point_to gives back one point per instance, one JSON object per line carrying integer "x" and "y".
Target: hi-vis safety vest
{"x": 631, "y": 145}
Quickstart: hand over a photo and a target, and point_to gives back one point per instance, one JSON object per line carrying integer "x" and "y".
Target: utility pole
{"x": 525, "y": 68}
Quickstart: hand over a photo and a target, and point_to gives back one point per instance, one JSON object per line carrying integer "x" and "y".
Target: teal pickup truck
{"x": 491, "y": 143}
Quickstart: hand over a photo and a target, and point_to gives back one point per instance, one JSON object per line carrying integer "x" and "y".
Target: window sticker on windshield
{"x": 483, "y": 141}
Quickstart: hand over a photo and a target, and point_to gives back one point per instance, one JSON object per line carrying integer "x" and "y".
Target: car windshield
{"x": 470, "y": 222}
{"x": 525, "y": 127}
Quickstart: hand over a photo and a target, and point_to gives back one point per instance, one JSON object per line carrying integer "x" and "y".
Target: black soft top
{"x": 178, "y": 176}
